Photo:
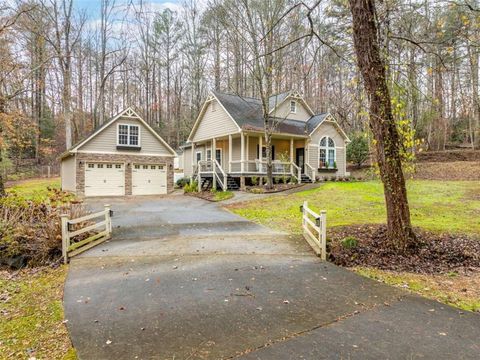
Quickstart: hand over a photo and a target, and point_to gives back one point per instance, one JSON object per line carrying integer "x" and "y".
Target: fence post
{"x": 323, "y": 235}
{"x": 65, "y": 237}
{"x": 305, "y": 205}
{"x": 108, "y": 220}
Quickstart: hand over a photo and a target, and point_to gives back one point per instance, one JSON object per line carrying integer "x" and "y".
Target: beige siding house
{"x": 125, "y": 156}
{"x": 226, "y": 145}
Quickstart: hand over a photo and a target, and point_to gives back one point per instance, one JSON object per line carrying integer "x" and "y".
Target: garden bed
{"x": 434, "y": 253}
{"x": 276, "y": 188}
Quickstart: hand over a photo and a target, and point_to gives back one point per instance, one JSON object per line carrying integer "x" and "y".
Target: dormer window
{"x": 293, "y": 106}
{"x": 128, "y": 135}
{"x": 214, "y": 106}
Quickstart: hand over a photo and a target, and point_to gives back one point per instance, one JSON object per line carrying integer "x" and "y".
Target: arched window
{"x": 327, "y": 152}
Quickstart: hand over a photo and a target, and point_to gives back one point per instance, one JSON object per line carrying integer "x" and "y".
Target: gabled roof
{"x": 247, "y": 113}
{"x": 275, "y": 100}
{"x": 128, "y": 113}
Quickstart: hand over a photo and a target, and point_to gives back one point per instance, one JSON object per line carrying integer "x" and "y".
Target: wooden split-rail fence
{"x": 315, "y": 229}
{"x": 70, "y": 231}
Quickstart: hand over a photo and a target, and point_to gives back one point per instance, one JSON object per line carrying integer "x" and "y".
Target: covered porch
{"x": 242, "y": 156}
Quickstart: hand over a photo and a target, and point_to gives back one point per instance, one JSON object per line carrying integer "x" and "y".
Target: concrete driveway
{"x": 185, "y": 279}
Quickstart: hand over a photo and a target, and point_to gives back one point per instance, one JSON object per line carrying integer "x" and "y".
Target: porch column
{"x": 242, "y": 151}
{"x": 291, "y": 150}
{"x": 193, "y": 162}
{"x": 230, "y": 153}
{"x": 214, "y": 148}
{"x": 260, "y": 145}
{"x": 260, "y": 165}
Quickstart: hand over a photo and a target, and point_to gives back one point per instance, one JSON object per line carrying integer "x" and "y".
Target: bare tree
{"x": 382, "y": 123}
{"x": 66, "y": 34}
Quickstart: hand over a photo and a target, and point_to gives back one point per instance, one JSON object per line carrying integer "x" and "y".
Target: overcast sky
{"x": 93, "y": 6}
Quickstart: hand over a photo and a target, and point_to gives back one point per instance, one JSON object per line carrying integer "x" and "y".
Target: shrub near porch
{"x": 439, "y": 206}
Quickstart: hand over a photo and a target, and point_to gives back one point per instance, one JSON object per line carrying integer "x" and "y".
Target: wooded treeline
{"x": 64, "y": 71}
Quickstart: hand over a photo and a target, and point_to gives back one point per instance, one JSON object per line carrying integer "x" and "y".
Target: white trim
{"x": 210, "y": 97}
{"x": 333, "y": 121}
{"x": 121, "y": 153}
{"x": 139, "y": 140}
{"x": 294, "y": 106}
{"x": 297, "y": 97}
{"x": 327, "y": 148}
{"x": 129, "y": 113}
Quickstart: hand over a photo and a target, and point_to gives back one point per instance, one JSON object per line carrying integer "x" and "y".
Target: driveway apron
{"x": 184, "y": 279}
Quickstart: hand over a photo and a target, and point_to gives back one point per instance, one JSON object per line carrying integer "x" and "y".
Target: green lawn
{"x": 439, "y": 206}
{"x": 443, "y": 206}
{"x": 223, "y": 195}
{"x": 32, "y": 316}
{"x": 34, "y": 188}
{"x": 461, "y": 291}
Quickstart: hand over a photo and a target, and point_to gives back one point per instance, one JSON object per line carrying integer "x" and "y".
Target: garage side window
{"x": 128, "y": 135}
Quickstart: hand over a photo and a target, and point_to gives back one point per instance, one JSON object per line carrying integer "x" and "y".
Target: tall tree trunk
{"x": 382, "y": 123}
{"x": 3, "y": 106}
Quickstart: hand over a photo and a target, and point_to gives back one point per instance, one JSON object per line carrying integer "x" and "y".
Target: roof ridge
{"x": 233, "y": 94}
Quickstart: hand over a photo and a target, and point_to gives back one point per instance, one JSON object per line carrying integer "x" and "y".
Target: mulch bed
{"x": 276, "y": 188}
{"x": 205, "y": 195}
{"x": 434, "y": 253}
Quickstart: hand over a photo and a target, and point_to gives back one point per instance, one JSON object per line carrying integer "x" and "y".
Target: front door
{"x": 300, "y": 158}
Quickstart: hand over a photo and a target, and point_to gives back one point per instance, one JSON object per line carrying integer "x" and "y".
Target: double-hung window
{"x": 128, "y": 135}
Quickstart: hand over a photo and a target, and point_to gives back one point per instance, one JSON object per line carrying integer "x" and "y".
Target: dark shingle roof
{"x": 314, "y": 121}
{"x": 277, "y": 99}
{"x": 247, "y": 113}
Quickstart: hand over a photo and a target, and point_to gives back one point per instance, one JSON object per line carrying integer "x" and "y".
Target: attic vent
{"x": 214, "y": 106}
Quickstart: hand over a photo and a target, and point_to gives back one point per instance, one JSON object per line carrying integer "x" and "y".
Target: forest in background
{"x": 65, "y": 70}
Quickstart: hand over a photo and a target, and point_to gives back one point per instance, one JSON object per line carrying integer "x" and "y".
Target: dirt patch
{"x": 434, "y": 253}
{"x": 449, "y": 156}
{"x": 456, "y": 170}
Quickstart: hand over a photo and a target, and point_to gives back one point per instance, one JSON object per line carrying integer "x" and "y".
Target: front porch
{"x": 238, "y": 158}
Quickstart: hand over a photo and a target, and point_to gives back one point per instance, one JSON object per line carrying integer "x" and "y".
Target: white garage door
{"x": 149, "y": 179}
{"x": 104, "y": 179}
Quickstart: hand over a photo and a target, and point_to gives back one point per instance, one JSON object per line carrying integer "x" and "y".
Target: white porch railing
{"x": 260, "y": 167}
{"x": 213, "y": 168}
{"x": 315, "y": 229}
{"x": 310, "y": 172}
{"x": 220, "y": 175}
{"x": 68, "y": 232}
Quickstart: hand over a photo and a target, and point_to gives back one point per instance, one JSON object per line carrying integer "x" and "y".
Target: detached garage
{"x": 125, "y": 156}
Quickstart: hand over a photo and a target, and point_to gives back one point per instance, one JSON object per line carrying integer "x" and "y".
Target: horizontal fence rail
{"x": 71, "y": 228}
{"x": 315, "y": 229}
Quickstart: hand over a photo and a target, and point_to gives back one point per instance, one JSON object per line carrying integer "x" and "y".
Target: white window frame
{"x": 208, "y": 151}
{"x": 128, "y": 135}
{"x": 327, "y": 149}
{"x": 294, "y": 107}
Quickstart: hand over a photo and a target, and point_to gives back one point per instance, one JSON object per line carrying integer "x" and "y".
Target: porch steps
{"x": 206, "y": 184}
{"x": 306, "y": 179}
{"x": 232, "y": 184}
